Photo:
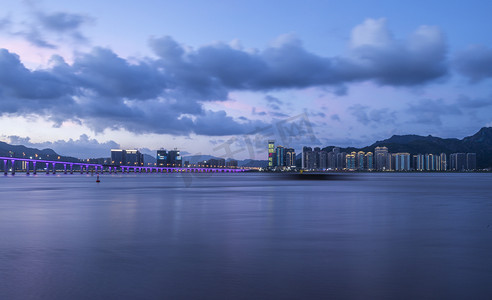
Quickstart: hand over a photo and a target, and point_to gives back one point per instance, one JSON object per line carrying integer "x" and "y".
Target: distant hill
{"x": 8, "y": 150}
{"x": 480, "y": 143}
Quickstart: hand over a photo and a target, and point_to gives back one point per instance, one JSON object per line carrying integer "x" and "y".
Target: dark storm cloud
{"x": 430, "y": 111}
{"x": 61, "y": 21}
{"x": 475, "y": 62}
{"x": 105, "y": 91}
{"x": 166, "y": 94}
{"x": 212, "y": 70}
{"x": 366, "y": 115}
{"x": 103, "y": 72}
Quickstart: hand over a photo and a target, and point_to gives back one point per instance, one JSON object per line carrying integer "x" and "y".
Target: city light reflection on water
{"x": 246, "y": 236}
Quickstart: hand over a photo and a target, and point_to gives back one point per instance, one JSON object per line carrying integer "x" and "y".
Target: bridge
{"x": 68, "y": 167}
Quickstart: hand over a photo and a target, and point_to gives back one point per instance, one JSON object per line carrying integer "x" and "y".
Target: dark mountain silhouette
{"x": 479, "y": 143}
{"x": 8, "y": 150}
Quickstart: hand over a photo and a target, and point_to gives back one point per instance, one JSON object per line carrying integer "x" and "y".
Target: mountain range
{"x": 479, "y": 143}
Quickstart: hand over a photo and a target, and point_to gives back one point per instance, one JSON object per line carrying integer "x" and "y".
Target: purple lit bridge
{"x": 82, "y": 167}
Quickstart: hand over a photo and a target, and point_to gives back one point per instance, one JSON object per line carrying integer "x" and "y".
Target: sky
{"x": 224, "y": 77}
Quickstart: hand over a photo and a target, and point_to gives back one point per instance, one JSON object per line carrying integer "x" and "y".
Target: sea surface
{"x": 246, "y": 236}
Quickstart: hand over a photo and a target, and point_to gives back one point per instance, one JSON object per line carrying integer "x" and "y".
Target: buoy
{"x": 97, "y": 180}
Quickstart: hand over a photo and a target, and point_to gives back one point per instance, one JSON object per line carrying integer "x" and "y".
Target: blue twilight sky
{"x": 223, "y": 77}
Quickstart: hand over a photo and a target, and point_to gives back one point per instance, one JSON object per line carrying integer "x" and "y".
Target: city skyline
{"x": 81, "y": 80}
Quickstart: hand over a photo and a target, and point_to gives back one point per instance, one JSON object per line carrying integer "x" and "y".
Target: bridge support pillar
{"x": 47, "y": 168}
{"x": 5, "y": 170}
{"x": 54, "y": 168}
{"x": 64, "y": 168}
{"x": 34, "y": 167}
{"x": 71, "y": 168}
{"x": 13, "y": 166}
{"x": 27, "y": 167}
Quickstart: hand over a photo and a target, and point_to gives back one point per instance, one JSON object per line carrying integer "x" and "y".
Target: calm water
{"x": 246, "y": 236}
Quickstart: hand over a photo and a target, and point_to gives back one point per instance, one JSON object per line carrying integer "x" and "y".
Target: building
{"x": 216, "y": 163}
{"x": 133, "y": 158}
{"x": 126, "y": 157}
{"x": 280, "y": 157}
{"x": 308, "y": 158}
{"x": 458, "y": 161}
{"x": 231, "y": 163}
{"x": 369, "y": 161}
{"x": 174, "y": 158}
{"x": 418, "y": 162}
{"x": 402, "y": 162}
{"x": 350, "y": 161}
{"x": 444, "y": 162}
{"x": 171, "y": 158}
{"x": 290, "y": 157}
{"x": 162, "y": 158}
{"x": 118, "y": 157}
{"x": 323, "y": 160}
{"x": 271, "y": 154}
{"x": 341, "y": 160}
{"x": 331, "y": 160}
{"x": 471, "y": 161}
{"x": 359, "y": 160}
{"x": 381, "y": 157}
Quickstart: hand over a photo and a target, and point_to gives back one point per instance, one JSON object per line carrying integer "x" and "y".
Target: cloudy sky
{"x": 222, "y": 77}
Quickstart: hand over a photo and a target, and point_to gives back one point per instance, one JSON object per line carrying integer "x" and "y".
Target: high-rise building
{"x": 444, "y": 162}
{"x": 118, "y": 157}
{"x": 316, "y": 151}
{"x": 331, "y": 160}
{"x": 471, "y": 161}
{"x": 458, "y": 161}
{"x": 280, "y": 156}
{"x": 174, "y": 158}
{"x": 162, "y": 158}
{"x": 350, "y": 161}
{"x": 418, "y": 162}
{"x": 134, "y": 158}
{"x": 290, "y": 157}
{"x": 271, "y": 152}
{"x": 341, "y": 161}
{"x": 307, "y": 158}
{"x": 369, "y": 161}
{"x": 381, "y": 154}
{"x": 126, "y": 157}
{"x": 359, "y": 160}
{"x": 323, "y": 160}
{"x": 402, "y": 162}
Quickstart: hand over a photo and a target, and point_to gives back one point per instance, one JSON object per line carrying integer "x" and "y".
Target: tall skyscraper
{"x": 323, "y": 160}
{"x": 471, "y": 161}
{"x": 290, "y": 157}
{"x": 402, "y": 162}
{"x": 280, "y": 157}
{"x": 307, "y": 158}
{"x": 369, "y": 161}
{"x": 381, "y": 154}
{"x": 444, "y": 162}
{"x": 162, "y": 158}
{"x": 359, "y": 160}
{"x": 350, "y": 161}
{"x": 458, "y": 161}
{"x": 271, "y": 152}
